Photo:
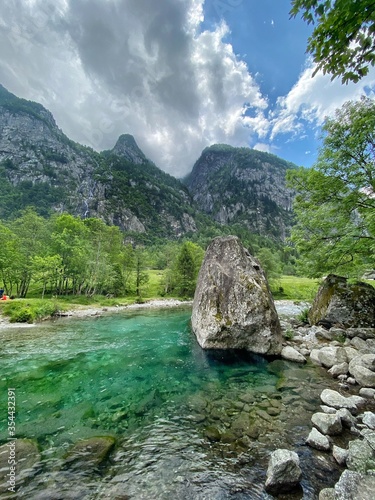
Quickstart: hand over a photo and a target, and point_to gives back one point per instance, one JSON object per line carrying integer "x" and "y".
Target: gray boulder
{"x": 341, "y": 369}
{"x": 355, "y": 486}
{"x": 367, "y": 392}
{"x": 318, "y": 441}
{"x": 336, "y": 400}
{"x": 314, "y": 357}
{"x": 339, "y": 302}
{"x": 359, "y": 344}
{"x": 291, "y": 354}
{"x": 368, "y": 418}
{"x": 284, "y": 472}
{"x": 327, "y": 423}
{"x": 331, "y": 355}
{"x": 363, "y": 369}
{"x": 363, "y": 333}
{"x": 327, "y": 494}
{"x": 351, "y": 353}
{"x": 361, "y": 457}
{"x": 233, "y": 307}
{"x": 340, "y": 455}
{"x": 347, "y": 419}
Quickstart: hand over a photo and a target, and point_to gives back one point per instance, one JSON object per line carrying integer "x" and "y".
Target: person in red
{"x": 4, "y": 297}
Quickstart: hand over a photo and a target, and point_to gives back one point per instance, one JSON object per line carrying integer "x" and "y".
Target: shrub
{"x": 289, "y": 334}
{"x": 304, "y": 316}
{"x": 28, "y": 311}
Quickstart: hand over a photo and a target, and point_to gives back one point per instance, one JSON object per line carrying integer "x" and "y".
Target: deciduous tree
{"x": 343, "y": 40}
{"x": 335, "y": 204}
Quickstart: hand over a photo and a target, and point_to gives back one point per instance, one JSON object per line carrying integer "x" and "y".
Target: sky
{"x": 179, "y": 75}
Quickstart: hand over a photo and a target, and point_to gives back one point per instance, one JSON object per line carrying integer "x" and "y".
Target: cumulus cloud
{"x": 311, "y": 100}
{"x": 107, "y": 67}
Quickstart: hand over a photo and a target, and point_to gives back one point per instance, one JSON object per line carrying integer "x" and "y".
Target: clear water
{"x": 188, "y": 424}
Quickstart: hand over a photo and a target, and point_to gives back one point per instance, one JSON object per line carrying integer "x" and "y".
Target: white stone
{"x": 291, "y": 354}
{"x": 318, "y": 441}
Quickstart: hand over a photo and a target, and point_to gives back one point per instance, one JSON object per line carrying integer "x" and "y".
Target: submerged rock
{"x": 90, "y": 452}
{"x": 347, "y": 304}
{"x": 20, "y": 457}
{"x": 284, "y": 472}
{"x": 233, "y": 307}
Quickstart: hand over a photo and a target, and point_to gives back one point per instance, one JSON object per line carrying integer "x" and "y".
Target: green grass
{"x": 294, "y": 288}
{"x": 35, "y": 309}
{"x": 30, "y": 310}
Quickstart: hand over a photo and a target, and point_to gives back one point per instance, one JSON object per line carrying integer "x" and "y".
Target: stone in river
{"x": 90, "y": 452}
{"x": 284, "y": 472}
{"x": 233, "y": 307}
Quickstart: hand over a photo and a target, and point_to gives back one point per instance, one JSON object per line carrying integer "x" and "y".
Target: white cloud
{"x": 107, "y": 67}
{"x": 313, "y": 99}
{"x": 126, "y": 66}
{"x": 261, "y": 146}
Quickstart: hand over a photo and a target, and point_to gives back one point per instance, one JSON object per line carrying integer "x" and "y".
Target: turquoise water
{"x": 187, "y": 423}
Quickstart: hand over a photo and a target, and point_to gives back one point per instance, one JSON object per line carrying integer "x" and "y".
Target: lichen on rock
{"x": 347, "y": 304}
{"x": 233, "y": 307}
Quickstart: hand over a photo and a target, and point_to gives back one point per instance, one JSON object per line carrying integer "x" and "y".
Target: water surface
{"x": 188, "y": 424}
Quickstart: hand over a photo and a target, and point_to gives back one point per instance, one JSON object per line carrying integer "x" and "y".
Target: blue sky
{"x": 177, "y": 74}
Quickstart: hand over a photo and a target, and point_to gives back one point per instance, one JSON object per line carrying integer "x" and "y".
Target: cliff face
{"x": 41, "y": 167}
{"x": 241, "y": 185}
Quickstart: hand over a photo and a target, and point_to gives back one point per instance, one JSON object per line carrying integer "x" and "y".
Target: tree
{"x": 271, "y": 263}
{"x": 186, "y": 270}
{"x": 335, "y": 204}
{"x": 141, "y": 276}
{"x": 343, "y": 40}
{"x": 32, "y": 233}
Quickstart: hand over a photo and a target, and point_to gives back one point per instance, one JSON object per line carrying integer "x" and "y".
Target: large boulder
{"x": 336, "y": 400}
{"x": 355, "y": 486}
{"x": 327, "y": 423}
{"x": 349, "y": 304}
{"x": 233, "y": 307}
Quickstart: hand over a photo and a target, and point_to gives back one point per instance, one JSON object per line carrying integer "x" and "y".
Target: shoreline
{"x": 285, "y": 308}
{"x": 89, "y": 311}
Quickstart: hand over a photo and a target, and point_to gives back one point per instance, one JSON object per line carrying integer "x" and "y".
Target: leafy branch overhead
{"x": 335, "y": 205}
{"x": 343, "y": 41}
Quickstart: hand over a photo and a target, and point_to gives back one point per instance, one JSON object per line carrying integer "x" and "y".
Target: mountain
{"x": 243, "y": 186}
{"x": 41, "y": 167}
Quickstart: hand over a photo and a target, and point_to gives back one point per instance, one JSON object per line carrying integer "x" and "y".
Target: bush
{"x": 304, "y": 316}
{"x": 28, "y": 311}
{"x": 289, "y": 334}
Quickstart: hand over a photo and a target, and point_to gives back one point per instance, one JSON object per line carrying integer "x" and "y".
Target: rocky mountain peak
{"x": 245, "y": 186}
{"x": 127, "y": 148}
{"x": 15, "y": 105}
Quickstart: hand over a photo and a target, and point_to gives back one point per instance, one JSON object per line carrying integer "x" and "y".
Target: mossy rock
{"x": 351, "y": 305}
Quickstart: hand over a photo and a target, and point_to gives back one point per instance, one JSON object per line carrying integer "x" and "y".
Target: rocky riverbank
{"x": 344, "y": 425}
